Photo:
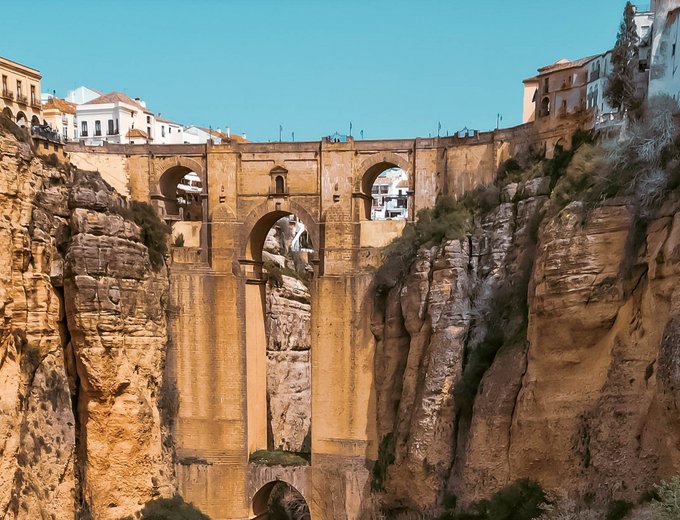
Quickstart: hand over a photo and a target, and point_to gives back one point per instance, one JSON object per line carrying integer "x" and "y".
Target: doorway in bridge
{"x": 287, "y": 273}
{"x": 278, "y": 500}
{"x": 181, "y": 190}
{"x": 390, "y": 195}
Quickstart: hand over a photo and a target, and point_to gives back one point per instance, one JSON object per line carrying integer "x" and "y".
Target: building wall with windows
{"x": 665, "y": 55}
{"x": 61, "y": 116}
{"x": 168, "y": 132}
{"x": 111, "y": 117}
{"x": 20, "y": 93}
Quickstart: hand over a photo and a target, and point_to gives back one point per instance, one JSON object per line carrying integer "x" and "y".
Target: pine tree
{"x": 620, "y": 90}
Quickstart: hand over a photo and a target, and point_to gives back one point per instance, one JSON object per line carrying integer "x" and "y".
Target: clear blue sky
{"x": 394, "y": 68}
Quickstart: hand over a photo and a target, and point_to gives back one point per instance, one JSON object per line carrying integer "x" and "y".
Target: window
{"x": 64, "y": 132}
{"x": 83, "y": 129}
{"x": 148, "y": 132}
{"x": 117, "y": 126}
{"x": 110, "y": 129}
{"x": 546, "y": 85}
{"x": 163, "y": 131}
{"x": 32, "y": 95}
{"x": 97, "y": 127}
{"x": 545, "y": 107}
{"x": 4, "y": 84}
{"x": 148, "y": 120}
{"x": 279, "y": 184}
{"x": 169, "y": 129}
{"x": 18, "y": 89}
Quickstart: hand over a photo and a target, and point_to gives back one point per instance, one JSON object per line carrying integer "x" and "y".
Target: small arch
{"x": 279, "y": 496}
{"x": 181, "y": 190}
{"x": 7, "y": 112}
{"x": 22, "y": 120}
{"x": 280, "y": 184}
{"x": 35, "y": 121}
{"x": 372, "y": 168}
{"x": 545, "y": 107}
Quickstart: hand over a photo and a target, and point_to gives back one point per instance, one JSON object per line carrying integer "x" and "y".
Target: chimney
{"x": 229, "y": 132}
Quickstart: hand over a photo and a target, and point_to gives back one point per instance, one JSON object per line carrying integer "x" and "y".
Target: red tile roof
{"x": 117, "y": 97}
{"x": 136, "y": 132}
{"x": 65, "y": 107}
{"x": 564, "y": 64}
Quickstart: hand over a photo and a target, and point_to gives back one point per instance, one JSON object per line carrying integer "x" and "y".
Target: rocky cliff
{"x": 574, "y": 385}
{"x": 82, "y": 346}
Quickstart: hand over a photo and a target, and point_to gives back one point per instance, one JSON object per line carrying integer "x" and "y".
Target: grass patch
{"x": 521, "y": 500}
{"x": 174, "y": 508}
{"x": 275, "y": 273}
{"x": 618, "y": 510}
{"x": 279, "y": 458}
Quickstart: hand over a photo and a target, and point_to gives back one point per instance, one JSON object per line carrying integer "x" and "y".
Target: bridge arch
{"x": 272, "y": 493}
{"x": 262, "y": 218}
{"x": 372, "y": 167}
{"x": 173, "y": 177}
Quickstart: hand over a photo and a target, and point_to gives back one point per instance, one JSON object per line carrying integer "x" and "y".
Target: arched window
{"x": 280, "y": 185}
{"x": 545, "y": 107}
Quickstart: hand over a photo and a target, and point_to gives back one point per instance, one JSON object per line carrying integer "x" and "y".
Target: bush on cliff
{"x": 521, "y": 500}
{"x": 155, "y": 232}
{"x": 174, "y": 508}
{"x": 449, "y": 219}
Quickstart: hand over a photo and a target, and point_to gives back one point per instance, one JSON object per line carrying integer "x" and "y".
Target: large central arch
{"x": 255, "y": 229}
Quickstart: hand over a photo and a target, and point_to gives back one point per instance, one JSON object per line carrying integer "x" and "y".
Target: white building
{"x": 390, "y": 195}
{"x": 198, "y": 135}
{"x": 168, "y": 132}
{"x": 82, "y": 95}
{"x": 664, "y": 75}
{"x": 111, "y": 117}
{"x": 61, "y": 116}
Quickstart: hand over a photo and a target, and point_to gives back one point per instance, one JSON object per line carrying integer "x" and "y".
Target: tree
{"x": 620, "y": 90}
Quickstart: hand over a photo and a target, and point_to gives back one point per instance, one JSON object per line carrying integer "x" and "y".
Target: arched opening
{"x": 559, "y": 147}
{"x": 278, "y": 337}
{"x": 278, "y": 500}
{"x": 280, "y": 186}
{"x": 7, "y": 112}
{"x": 181, "y": 190}
{"x": 390, "y": 192}
{"x": 35, "y": 121}
{"x": 21, "y": 119}
{"x": 545, "y": 107}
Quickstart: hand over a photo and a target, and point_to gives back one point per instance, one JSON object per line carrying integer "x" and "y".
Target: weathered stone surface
{"x": 82, "y": 346}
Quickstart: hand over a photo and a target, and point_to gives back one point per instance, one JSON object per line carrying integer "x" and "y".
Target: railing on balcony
{"x": 8, "y": 94}
{"x": 97, "y": 133}
{"x": 83, "y": 133}
{"x": 22, "y": 99}
{"x": 45, "y": 132}
{"x": 35, "y": 103}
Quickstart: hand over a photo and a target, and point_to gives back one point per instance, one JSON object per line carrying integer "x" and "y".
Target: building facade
{"x": 61, "y": 116}
{"x": 20, "y": 93}
{"x": 111, "y": 117}
{"x": 390, "y": 194}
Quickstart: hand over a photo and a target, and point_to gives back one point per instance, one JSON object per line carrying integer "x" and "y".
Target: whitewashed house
{"x": 390, "y": 194}
{"x": 168, "y": 132}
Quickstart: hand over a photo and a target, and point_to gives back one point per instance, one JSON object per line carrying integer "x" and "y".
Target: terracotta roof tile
{"x": 564, "y": 64}
{"x": 62, "y": 105}
{"x": 136, "y": 132}
{"x": 117, "y": 97}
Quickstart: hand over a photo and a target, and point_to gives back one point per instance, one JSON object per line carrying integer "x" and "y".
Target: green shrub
{"x": 668, "y": 504}
{"x": 449, "y": 219}
{"x": 171, "y": 509}
{"x": 155, "y": 232}
{"x": 279, "y": 458}
{"x": 385, "y": 459}
{"x": 618, "y": 510}
{"x": 521, "y": 500}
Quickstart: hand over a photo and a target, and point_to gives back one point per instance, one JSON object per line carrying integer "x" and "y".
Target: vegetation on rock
{"x": 174, "y": 508}
{"x": 155, "y": 232}
{"x": 279, "y": 458}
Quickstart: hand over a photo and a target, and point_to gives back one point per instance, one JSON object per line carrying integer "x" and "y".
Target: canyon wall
{"x": 582, "y": 394}
{"x": 82, "y": 346}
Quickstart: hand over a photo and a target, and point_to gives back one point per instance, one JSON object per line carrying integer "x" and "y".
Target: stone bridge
{"x": 217, "y": 355}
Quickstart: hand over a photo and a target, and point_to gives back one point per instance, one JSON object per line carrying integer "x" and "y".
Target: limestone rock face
{"x": 82, "y": 346}
{"x": 115, "y": 310}
{"x": 584, "y": 400}
{"x": 288, "y": 363}
{"x": 37, "y": 424}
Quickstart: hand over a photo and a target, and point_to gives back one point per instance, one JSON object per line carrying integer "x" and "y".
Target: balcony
{"x": 7, "y": 94}
{"x": 35, "y": 103}
{"x": 83, "y": 133}
{"x": 23, "y": 100}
